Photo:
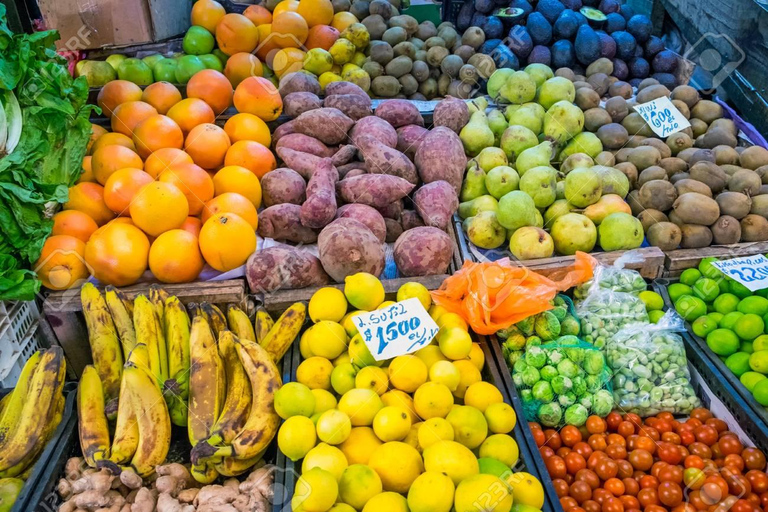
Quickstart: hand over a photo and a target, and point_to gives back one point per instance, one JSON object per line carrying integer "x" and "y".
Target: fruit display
{"x": 419, "y": 432}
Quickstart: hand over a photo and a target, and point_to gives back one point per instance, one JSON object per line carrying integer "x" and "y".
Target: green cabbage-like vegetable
{"x": 602, "y": 403}
{"x": 568, "y": 368}
{"x": 535, "y": 357}
{"x": 530, "y": 376}
{"x": 567, "y": 399}
{"x": 561, "y": 384}
{"x": 550, "y": 414}
{"x": 579, "y": 385}
{"x": 594, "y": 362}
{"x": 594, "y": 383}
{"x": 576, "y": 415}
{"x": 543, "y": 391}
{"x": 548, "y": 373}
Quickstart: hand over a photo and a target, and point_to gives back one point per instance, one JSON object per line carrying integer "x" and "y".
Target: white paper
{"x": 662, "y": 116}
{"x": 751, "y": 271}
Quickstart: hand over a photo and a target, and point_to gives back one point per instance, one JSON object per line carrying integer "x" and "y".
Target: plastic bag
{"x": 650, "y": 368}
{"x": 563, "y": 382}
{"x": 604, "y": 312}
{"x": 495, "y": 295}
{"x": 615, "y": 277}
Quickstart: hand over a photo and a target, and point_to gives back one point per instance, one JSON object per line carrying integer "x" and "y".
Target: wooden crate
{"x": 681, "y": 259}
{"x": 650, "y": 267}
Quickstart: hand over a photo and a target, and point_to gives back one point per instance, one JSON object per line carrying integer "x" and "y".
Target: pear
{"x": 539, "y": 155}
{"x": 479, "y": 204}
{"x": 606, "y": 205}
{"x": 556, "y": 89}
{"x": 576, "y": 161}
{"x": 563, "y": 121}
{"x": 491, "y": 157}
{"x": 539, "y": 219}
{"x": 613, "y": 180}
{"x": 98, "y": 73}
{"x": 573, "y": 232}
{"x": 516, "y": 209}
{"x": 501, "y": 180}
{"x": 530, "y": 115}
{"x": 540, "y": 183}
{"x": 497, "y": 81}
{"x": 530, "y": 243}
{"x": 517, "y": 139}
{"x": 557, "y": 209}
{"x": 498, "y": 123}
{"x": 484, "y": 230}
{"x": 584, "y": 142}
{"x": 476, "y": 134}
{"x": 583, "y": 187}
{"x": 621, "y": 231}
{"x": 474, "y": 182}
{"x": 539, "y": 72}
{"x": 477, "y": 105}
{"x": 518, "y": 89}
{"x": 561, "y": 189}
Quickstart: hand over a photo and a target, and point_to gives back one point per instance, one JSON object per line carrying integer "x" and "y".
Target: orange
{"x": 96, "y": 132}
{"x": 258, "y": 15}
{"x": 316, "y": 12}
{"x": 226, "y": 241}
{"x": 321, "y": 36}
{"x": 191, "y": 112}
{"x": 255, "y": 157}
{"x": 115, "y": 93}
{"x": 194, "y": 183}
{"x": 87, "y": 174}
{"x": 248, "y": 127}
{"x": 74, "y": 223}
{"x": 343, "y": 19}
{"x": 207, "y": 144}
{"x": 162, "y": 159}
{"x": 285, "y": 6}
{"x": 122, "y": 187}
{"x": 128, "y": 115}
{"x": 62, "y": 262}
{"x": 113, "y": 139}
{"x": 258, "y": 96}
{"x": 89, "y": 199}
{"x": 157, "y": 132}
{"x": 117, "y": 253}
{"x": 239, "y": 67}
{"x": 207, "y": 14}
{"x": 159, "y": 207}
{"x": 192, "y": 225}
{"x": 288, "y": 60}
{"x": 289, "y": 29}
{"x": 267, "y": 45}
{"x": 236, "y": 33}
{"x": 162, "y": 96}
{"x": 240, "y": 180}
{"x": 232, "y": 202}
{"x": 109, "y": 159}
{"x": 212, "y": 87}
{"x": 175, "y": 257}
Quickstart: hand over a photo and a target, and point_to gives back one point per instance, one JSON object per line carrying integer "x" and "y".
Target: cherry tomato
{"x": 578, "y": 509}
{"x": 614, "y": 485}
{"x": 734, "y": 461}
{"x": 600, "y": 495}
{"x": 700, "y": 449}
{"x": 580, "y": 491}
{"x": 648, "y": 481}
{"x": 719, "y": 481}
{"x": 588, "y": 476}
{"x": 684, "y": 507}
{"x": 669, "y": 453}
{"x": 634, "y": 419}
{"x": 667, "y": 416}
{"x": 693, "y": 478}
{"x": 556, "y": 467}
{"x": 594, "y": 459}
{"x": 701, "y": 414}
{"x": 670, "y": 494}
{"x": 552, "y": 439}
{"x": 671, "y": 473}
{"x": 625, "y": 469}
{"x": 568, "y": 503}
{"x": 563, "y": 451}
{"x": 753, "y": 498}
{"x": 570, "y": 435}
{"x": 596, "y": 425}
{"x": 663, "y": 426}
{"x": 632, "y": 442}
{"x": 738, "y": 484}
{"x": 641, "y": 459}
{"x": 649, "y": 432}
{"x": 654, "y": 508}
{"x": 671, "y": 437}
{"x": 574, "y": 462}
{"x": 598, "y": 442}
{"x": 613, "y": 505}
{"x": 730, "y": 445}
{"x": 753, "y": 458}
{"x": 758, "y": 480}
{"x": 538, "y": 436}
{"x": 591, "y": 506}
{"x": 629, "y": 502}
{"x": 648, "y": 496}
{"x": 657, "y": 466}
{"x": 687, "y": 437}
{"x": 561, "y": 487}
{"x": 706, "y": 434}
{"x": 717, "y": 423}
{"x": 616, "y": 451}
{"x": 607, "y": 468}
{"x": 583, "y": 449}
{"x": 617, "y": 439}
{"x": 694, "y": 423}
{"x": 613, "y": 420}
{"x": 711, "y": 493}
{"x": 742, "y": 505}
{"x": 645, "y": 443}
{"x": 696, "y": 500}
{"x": 631, "y": 486}
{"x": 546, "y": 452}
{"x": 626, "y": 429}
{"x": 764, "y": 499}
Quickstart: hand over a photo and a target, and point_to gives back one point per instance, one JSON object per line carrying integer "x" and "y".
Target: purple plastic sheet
{"x": 750, "y": 131}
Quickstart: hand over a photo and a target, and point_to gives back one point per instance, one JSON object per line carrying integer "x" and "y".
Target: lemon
{"x": 433, "y": 431}
{"x": 402, "y": 399}
{"x": 412, "y": 438}
{"x": 316, "y": 491}
{"x": 397, "y": 464}
{"x": 430, "y": 355}
{"x": 326, "y": 457}
{"x": 526, "y": 490}
{"x": 327, "y": 339}
{"x": 342, "y": 359}
{"x": 445, "y": 373}
{"x": 452, "y": 320}
{"x": 339, "y": 507}
{"x": 324, "y": 400}
{"x": 359, "y": 483}
{"x": 294, "y": 399}
{"x": 451, "y": 458}
{"x": 333, "y": 427}
{"x": 386, "y": 502}
{"x": 477, "y": 356}
{"x": 361, "y": 405}
{"x": 358, "y": 34}
{"x": 469, "y": 426}
{"x": 315, "y": 373}
{"x": 343, "y": 378}
{"x": 431, "y": 492}
{"x": 363, "y": 290}
{"x": 415, "y": 290}
{"x": 327, "y": 78}
{"x": 327, "y": 304}
{"x": 318, "y": 61}
{"x": 296, "y": 437}
{"x": 342, "y": 52}
{"x": 407, "y": 373}
{"x": 454, "y": 342}
{"x": 314, "y": 419}
{"x": 501, "y": 447}
{"x": 386, "y": 304}
{"x": 652, "y": 300}
{"x": 391, "y": 423}
{"x": 306, "y": 352}
{"x": 482, "y": 394}
{"x": 501, "y": 418}
{"x": 469, "y": 375}
{"x": 360, "y": 444}
{"x": 359, "y": 59}
{"x": 372, "y": 377}
{"x": 348, "y": 324}
{"x": 359, "y": 353}
{"x": 432, "y": 400}
{"x": 437, "y": 311}
{"x": 477, "y": 488}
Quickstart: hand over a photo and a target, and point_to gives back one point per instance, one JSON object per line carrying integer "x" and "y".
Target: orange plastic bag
{"x": 494, "y": 295}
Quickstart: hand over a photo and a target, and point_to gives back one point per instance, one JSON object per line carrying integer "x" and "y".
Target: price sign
{"x": 401, "y": 328}
{"x": 751, "y": 271}
{"x": 662, "y": 116}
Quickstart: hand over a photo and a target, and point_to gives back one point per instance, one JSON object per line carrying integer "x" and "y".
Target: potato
{"x": 377, "y": 190}
{"x": 377, "y": 128}
{"x": 347, "y": 246}
{"x": 297, "y": 103}
{"x": 353, "y": 105}
{"x": 334, "y": 88}
{"x": 394, "y": 230}
{"x": 399, "y": 113}
{"x": 436, "y": 203}
{"x": 409, "y": 139}
{"x": 302, "y": 163}
{"x": 298, "y": 82}
{"x": 283, "y": 222}
{"x": 452, "y": 113}
{"x": 366, "y": 215}
{"x": 382, "y": 159}
{"x": 304, "y": 144}
{"x": 320, "y": 207}
{"x": 329, "y": 125}
{"x": 423, "y": 251}
{"x": 441, "y": 157}
{"x": 281, "y": 131}
{"x": 344, "y": 155}
{"x": 284, "y": 268}
{"x": 283, "y": 186}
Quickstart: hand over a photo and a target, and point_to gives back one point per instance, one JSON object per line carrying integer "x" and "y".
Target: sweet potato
{"x": 366, "y": 215}
{"x": 423, "y": 251}
{"x": 355, "y": 172}
{"x": 283, "y": 222}
{"x": 375, "y": 127}
{"x": 297, "y": 103}
{"x": 393, "y": 210}
{"x": 409, "y": 139}
{"x": 353, "y": 105}
{"x": 399, "y": 113}
{"x": 345, "y": 169}
{"x": 281, "y": 131}
{"x": 394, "y": 230}
{"x": 410, "y": 219}
{"x": 298, "y": 82}
{"x": 283, "y": 185}
{"x": 334, "y": 88}
{"x": 452, "y": 113}
{"x": 284, "y": 268}
{"x": 303, "y": 163}
{"x": 329, "y": 125}
{"x": 382, "y": 159}
{"x": 436, "y": 203}
{"x": 305, "y": 144}
{"x": 320, "y": 207}
{"x": 344, "y": 155}
{"x": 377, "y": 190}
{"x": 347, "y": 246}
{"x": 441, "y": 157}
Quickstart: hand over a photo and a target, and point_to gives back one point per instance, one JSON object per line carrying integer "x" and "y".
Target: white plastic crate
{"x": 19, "y": 338}
{"x": 31, "y": 344}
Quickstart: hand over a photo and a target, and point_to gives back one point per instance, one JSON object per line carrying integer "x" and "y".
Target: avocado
{"x": 563, "y": 54}
{"x": 539, "y": 28}
{"x": 540, "y": 55}
{"x": 665, "y": 62}
{"x": 639, "y": 68}
{"x": 653, "y": 46}
{"x": 504, "y": 58}
{"x": 607, "y": 45}
{"x": 640, "y": 27}
{"x": 620, "y": 69}
{"x": 587, "y": 45}
{"x": 609, "y": 6}
{"x": 464, "y": 19}
{"x": 566, "y": 25}
{"x": 488, "y": 46}
{"x": 484, "y": 6}
{"x": 582, "y": 19}
{"x": 594, "y": 16}
{"x": 668, "y": 80}
{"x": 551, "y": 9}
{"x": 573, "y": 5}
{"x": 615, "y": 21}
{"x": 519, "y": 41}
{"x": 522, "y": 4}
{"x": 478, "y": 19}
{"x": 627, "y": 11}
{"x": 591, "y": 3}
{"x": 493, "y": 27}
{"x": 625, "y": 45}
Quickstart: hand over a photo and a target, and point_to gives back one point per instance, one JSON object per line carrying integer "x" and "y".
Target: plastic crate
{"x": 450, "y": 10}
{"x": 19, "y": 338}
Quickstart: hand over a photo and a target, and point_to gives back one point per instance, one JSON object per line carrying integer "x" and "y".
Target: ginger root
{"x": 260, "y": 481}
{"x": 144, "y": 501}
{"x": 169, "y": 485}
{"x": 72, "y": 469}
{"x": 211, "y": 495}
{"x": 130, "y": 479}
{"x": 91, "y": 499}
{"x": 64, "y": 488}
{"x": 233, "y": 483}
{"x": 178, "y": 471}
{"x": 188, "y": 495}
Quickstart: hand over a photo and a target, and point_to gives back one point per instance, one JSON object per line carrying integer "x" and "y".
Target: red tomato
{"x": 626, "y": 429}
{"x": 706, "y": 434}
{"x": 568, "y": 503}
{"x": 552, "y": 439}
{"x": 669, "y": 453}
{"x": 570, "y": 435}
{"x": 717, "y": 423}
{"x": 563, "y": 451}
{"x": 753, "y": 458}
{"x": 574, "y": 462}
{"x": 600, "y": 495}
{"x": 613, "y": 420}
{"x": 634, "y": 419}
{"x": 631, "y": 487}
{"x": 613, "y": 505}
{"x": 758, "y": 480}
{"x": 687, "y": 437}
{"x": 598, "y": 442}
{"x": 734, "y": 460}
{"x": 742, "y": 505}
{"x": 670, "y": 494}
{"x": 700, "y": 449}
{"x": 617, "y": 439}
{"x": 711, "y": 493}
{"x": 538, "y": 436}
{"x": 625, "y": 469}
{"x": 671, "y": 473}
{"x": 588, "y": 476}
{"x": 641, "y": 459}
{"x": 616, "y": 451}
{"x": 629, "y": 502}
{"x": 591, "y": 506}
{"x": 671, "y": 437}
{"x": 561, "y": 487}
{"x": 648, "y": 481}
{"x": 607, "y": 468}
{"x": 580, "y": 491}
{"x": 645, "y": 443}
{"x": 647, "y": 497}
{"x": 614, "y": 485}
{"x": 556, "y": 467}
{"x": 701, "y": 414}
{"x": 583, "y": 449}
{"x": 596, "y": 425}
{"x": 546, "y": 452}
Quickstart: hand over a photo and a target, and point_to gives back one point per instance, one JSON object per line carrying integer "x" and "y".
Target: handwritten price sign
{"x": 751, "y": 271}
{"x": 401, "y": 328}
{"x": 662, "y": 116}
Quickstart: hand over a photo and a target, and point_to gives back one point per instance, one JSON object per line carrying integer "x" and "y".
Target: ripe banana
{"x": 263, "y": 324}
{"x": 139, "y": 357}
{"x": 157, "y": 296}
{"x": 216, "y": 318}
{"x": 285, "y": 330}
{"x": 176, "y": 388}
{"x": 15, "y": 399}
{"x": 204, "y": 473}
{"x": 240, "y": 324}
{"x": 145, "y": 322}
{"x": 207, "y": 381}
{"x": 105, "y": 347}
{"x": 231, "y": 466}
{"x": 154, "y": 424}
{"x": 91, "y": 420}
{"x": 122, "y": 318}
{"x": 24, "y": 468}
{"x": 238, "y": 396}
{"x": 126, "y": 437}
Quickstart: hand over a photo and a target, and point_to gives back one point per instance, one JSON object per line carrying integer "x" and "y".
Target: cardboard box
{"x": 86, "y": 24}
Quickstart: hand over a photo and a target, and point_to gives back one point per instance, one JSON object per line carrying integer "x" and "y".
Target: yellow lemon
{"x": 526, "y": 490}
{"x": 501, "y": 418}
{"x": 339, "y": 507}
{"x": 327, "y": 339}
{"x": 343, "y": 378}
{"x": 482, "y": 394}
{"x": 469, "y": 375}
{"x": 361, "y": 405}
{"x": 415, "y": 290}
{"x": 359, "y": 353}
{"x": 476, "y": 489}
{"x": 360, "y": 444}
{"x": 451, "y": 458}
{"x": 326, "y": 457}
{"x": 372, "y": 377}
{"x": 431, "y": 492}
{"x": 324, "y": 400}
{"x": 315, "y": 373}
{"x": 327, "y": 78}
{"x": 348, "y": 324}
{"x": 385, "y": 304}
{"x": 469, "y": 426}
{"x": 397, "y": 464}
{"x": 363, "y": 290}
{"x": 296, "y": 437}
{"x": 450, "y": 320}
{"x": 407, "y": 373}
{"x": 359, "y": 483}
{"x": 386, "y": 502}
{"x": 437, "y": 311}
{"x": 477, "y": 356}
{"x": 342, "y": 52}
{"x": 412, "y": 438}
{"x": 446, "y": 373}
{"x": 432, "y": 400}
{"x": 433, "y": 431}
{"x": 327, "y": 304}
{"x": 454, "y": 342}
{"x": 501, "y": 447}
{"x": 391, "y": 424}
{"x": 294, "y": 399}
{"x": 430, "y": 355}
{"x": 401, "y": 399}
{"x": 333, "y": 427}
{"x": 343, "y": 358}
{"x": 306, "y": 352}
{"x": 316, "y": 491}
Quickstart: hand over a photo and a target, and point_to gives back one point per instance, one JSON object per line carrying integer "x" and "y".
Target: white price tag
{"x": 662, "y": 116}
{"x": 751, "y": 271}
{"x": 401, "y": 328}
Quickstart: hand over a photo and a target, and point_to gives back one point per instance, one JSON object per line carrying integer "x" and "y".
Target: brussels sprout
{"x": 520, "y": 365}
{"x": 543, "y": 391}
{"x": 568, "y": 368}
{"x": 535, "y": 357}
{"x": 555, "y": 356}
{"x": 575, "y": 354}
{"x": 602, "y": 403}
{"x": 576, "y": 415}
{"x": 530, "y": 376}
{"x": 515, "y": 340}
{"x": 594, "y": 383}
{"x": 526, "y": 396}
{"x": 579, "y": 385}
{"x": 594, "y": 363}
{"x": 567, "y": 399}
{"x": 586, "y": 401}
{"x": 532, "y": 341}
{"x": 561, "y": 384}
{"x": 514, "y": 356}
{"x": 526, "y": 325}
{"x": 550, "y": 414}
{"x": 548, "y": 373}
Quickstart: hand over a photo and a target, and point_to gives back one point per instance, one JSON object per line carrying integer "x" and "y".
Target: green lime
{"x": 690, "y": 276}
{"x": 690, "y": 307}
{"x": 115, "y": 60}
{"x": 211, "y": 61}
{"x": 724, "y": 286}
{"x": 223, "y": 57}
{"x": 165, "y": 70}
{"x": 726, "y": 303}
{"x": 491, "y": 466}
{"x": 754, "y": 304}
{"x": 723, "y": 342}
{"x": 707, "y": 269}
{"x": 677, "y": 290}
{"x": 747, "y": 346}
{"x": 738, "y": 363}
{"x": 706, "y": 289}
{"x": 760, "y": 343}
{"x": 749, "y": 379}
{"x": 703, "y": 326}
{"x": 739, "y": 289}
{"x": 655, "y": 315}
{"x": 136, "y": 71}
{"x": 760, "y": 392}
{"x": 197, "y": 41}
{"x": 716, "y": 317}
{"x": 758, "y": 361}
{"x": 187, "y": 67}
{"x": 749, "y": 327}
{"x": 762, "y": 293}
{"x": 729, "y": 320}
{"x": 151, "y": 60}
{"x": 653, "y": 301}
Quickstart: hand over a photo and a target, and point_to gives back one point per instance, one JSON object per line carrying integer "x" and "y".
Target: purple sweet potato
{"x": 399, "y": 113}
{"x": 410, "y": 219}
{"x": 305, "y": 144}
{"x": 298, "y": 82}
{"x": 394, "y": 230}
{"x": 441, "y": 157}
{"x": 285, "y": 268}
{"x": 281, "y": 131}
{"x": 347, "y": 246}
{"x": 353, "y": 105}
{"x": 382, "y": 159}
{"x": 452, "y": 113}
{"x": 283, "y": 185}
{"x": 393, "y": 210}
{"x": 367, "y": 215}
{"x": 320, "y": 207}
{"x": 334, "y": 88}
{"x": 436, "y": 203}
{"x": 377, "y": 190}
{"x": 375, "y": 127}
{"x": 355, "y": 172}
{"x": 423, "y": 251}
{"x": 297, "y": 103}
{"x": 409, "y": 139}
{"x": 283, "y": 222}
{"x": 303, "y": 163}
{"x": 346, "y": 169}
{"x": 344, "y": 155}
{"x": 329, "y": 125}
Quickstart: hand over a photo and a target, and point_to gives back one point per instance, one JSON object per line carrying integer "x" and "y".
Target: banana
{"x": 139, "y": 357}
{"x": 263, "y": 324}
{"x": 91, "y": 420}
{"x": 207, "y": 381}
{"x": 15, "y": 399}
{"x": 216, "y": 318}
{"x": 157, "y": 296}
{"x": 105, "y": 346}
{"x": 238, "y": 396}
{"x": 126, "y": 437}
{"x": 230, "y": 466}
{"x": 122, "y": 318}
{"x": 193, "y": 309}
{"x": 176, "y": 388}
{"x": 240, "y": 324}
{"x": 145, "y": 322}
{"x": 285, "y": 330}
{"x": 204, "y": 473}
{"x": 154, "y": 424}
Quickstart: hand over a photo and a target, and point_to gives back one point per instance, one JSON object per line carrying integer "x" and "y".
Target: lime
{"x": 726, "y": 303}
{"x": 343, "y": 378}
{"x": 677, "y": 290}
{"x": 223, "y": 57}
{"x": 165, "y": 70}
{"x": 655, "y": 316}
{"x": 758, "y": 361}
{"x": 723, "y": 342}
{"x": 703, "y": 326}
{"x": 186, "y": 68}
{"x": 738, "y": 363}
{"x": 725, "y": 287}
{"x": 716, "y": 317}
{"x": 690, "y": 276}
{"x": 197, "y": 41}
{"x": 652, "y": 300}
{"x": 739, "y": 289}
{"x": 747, "y": 346}
{"x": 364, "y": 291}
{"x": 762, "y": 293}
{"x": 749, "y": 327}
{"x": 749, "y": 379}
{"x": 754, "y": 304}
{"x": 151, "y": 60}
{"x": 760, "y": 392}
{"x": 709, "y": 270}
{"x": 690, "y": 307}
{"x": 296, "y": 437}
{"x": 211, "y": 62}
{"x": 491, "y": 466}
{"x": 729, "y": 320}
{"x": 115, "y": 60}
{"x": 136, "y": 71}
{"x": 706, "y": 289}
{"x": 760, "y": 343}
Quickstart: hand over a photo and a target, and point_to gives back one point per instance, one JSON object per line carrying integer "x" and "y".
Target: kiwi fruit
{"x": 647, "y": 82}
{"x": 674, "y": 219}
{"x": 725, "y": 155}
{"x": 644, "y": 156}
{"x": 420, "y": 71}
{"x": 417, "y": 96}
{"x": 595, "y": 118}
{"x": 409, "y": 84}
{"x": 617, "y": 108}
{"x": 762, "y": 171}
{"x": 360, "y": 8}
{"x": 678, "y": 177}
{"x": 709, "y": 174}
{"x": 449, "y": 35}
{"x": 651, "y": 173}
{"x": 686, "y": 94}
{"x": 635, "y": 141}
{"x": 459, "y": 89}
{"x": 664, "y": 235}
{"x": 745, "y": 181}
{"x": 726, "y": 230}
{"x": 381, "y": 52}
{"x": 612, "y": 135}
{"x": 473, "y": 36}
{"x": 730, "y": 170}
{"x": 754, "y": 228}
{"x": 373, "y": 69}
{"x": 753, "y": 157}
{"x": 428, "y": 88}
{"x": 707, "y": 111}
{"x": 434, "y": 41}
{"x": 428, "y": 29}
{"x": 451, "y": 65}
{"x": 376, "y": 26}
{"x": 629, "y": 170}
{"x": 621, "y": 155}
{"x": 678, "y": 142}
{"x": 484, "y": 64}
{"x": 620, "y": 89}
{"x": 693, "y": 208}
{"x": 394, "y": 35}
{"x": 399, "y": 66}
{"x": 686, "y": 154}
{"x": 465, "y": 52}
{"x": 605, "y": 158}
{"x": 664, "y": 150}
{"x": 649, "y": 217}
{"x": 698, "y": 127}
{"x": 566, "y": 73}
{"x": 759, "y": 205}
{"x": 702, "y": 155}
{"x": 633, "y": 200}
{"x": 421, "y": 55}
{"x": 600, "y": 83}
{"x": 651, "y": 93}
{"x": 578, "y": 84}
{"x": 587, "y": 98}
{"x": 685, "y": 186}
{"x": 443, "y": 83}
{"x": 406, "y": 49}
{"x": 673, "y": 165}
{"x": 634, "y": 123}
{"x": 763, "y": 190}
{"x": 658, "y": 194}
{"x": 683, "y": 108}
{"x": 695, "y": 237}
{"x": 405, "y": 21}
{"x": 468, "y": 74}
{"x": 602, "y": 65}
{"x": 381, "y": 7}
{"x": 436, "y": 54}
{"x": 385, "y": 86}
{"x": 734, "y": 204}
{"x": 718, "y": 137}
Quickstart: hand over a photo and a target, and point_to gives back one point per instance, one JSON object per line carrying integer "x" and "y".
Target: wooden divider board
{"x": 681, "y": 259}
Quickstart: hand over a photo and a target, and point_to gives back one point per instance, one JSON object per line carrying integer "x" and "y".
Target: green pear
{"x": 477, "y": 104}
{"x": 479, "y": 204}
{"x": 497, "y": 81}
{"x": 516, "y": 209}
{"x": 621, "y": 231}
{"x": 563, "y": 121}
{"x": 557, "y": 209}
{"x": 573, "y": 232}
{"x": 561, "y": 189}
{"x": 539, "y": 72}
{"x": 538, "y": 155}
{"x": 517, "y": 139}
{"x": 530, "y": 243}
{"x": 575, "y": 161}
{"x": 497, "y": 123}
{"x": 518, "y": 89}
{"x": 501, "y": 180}
{"x": 115, "y": 60}
{"x": 613, "y": 180}
{"x": 98, "y": 73}
{"x": 530, "y": 115}
{"x": 556, "y": 89}
{"x": 584, "y": 142}
{"x": 491, "y": 157}
{"x": 484, "y": 230}
{"x": 540, "y": 183}
{"x": 476, "y": 134}
{"x": 474, "y": 182}
{"x": 583, "y": 187}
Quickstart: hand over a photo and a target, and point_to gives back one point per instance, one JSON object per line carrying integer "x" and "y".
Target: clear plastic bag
{"x": 650, "y": 368}
{"x": 615, "y": 277}
{"x": 605, "y": 312}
